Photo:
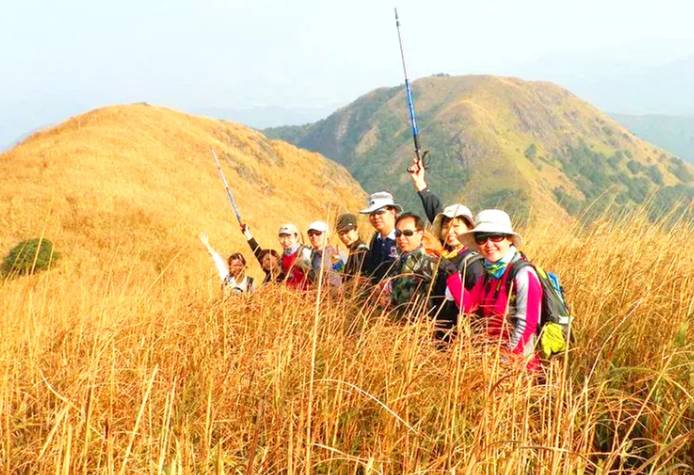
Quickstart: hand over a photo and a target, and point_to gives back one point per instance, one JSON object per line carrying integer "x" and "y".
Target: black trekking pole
{"x": 232, "y": 201}
{"x": 410, "y": 104}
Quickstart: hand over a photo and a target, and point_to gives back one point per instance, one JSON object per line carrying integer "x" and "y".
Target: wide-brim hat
{"x": 453, "y": 211}
{"x": 380, "y": 200}
{"x": 321, "y": 226}
{"x": 492, "y": 221}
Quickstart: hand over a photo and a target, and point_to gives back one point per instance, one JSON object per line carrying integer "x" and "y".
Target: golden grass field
{"x": 124, "y": 358}
{"x": 156, "y": 374}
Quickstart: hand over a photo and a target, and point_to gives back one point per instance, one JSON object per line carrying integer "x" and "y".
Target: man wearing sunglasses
{"x": 324, "y": 257}
{"x": 382, "y": 252}
{"x": 414, "y": 269}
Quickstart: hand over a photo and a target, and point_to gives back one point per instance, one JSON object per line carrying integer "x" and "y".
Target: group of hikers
{"x": 461, "y": 265}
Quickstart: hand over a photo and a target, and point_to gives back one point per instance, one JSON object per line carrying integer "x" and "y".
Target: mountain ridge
{"x": 496, "y": 141}
{"x": 101, "y": 181}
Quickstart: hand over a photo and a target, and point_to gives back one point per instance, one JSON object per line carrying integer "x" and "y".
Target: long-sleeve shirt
{"x": 431, "y": 204}
{"x": 244, "y": 284}
{"x": 490, "y": 299}
{"x": 355, "y": 260}
{"x": 329, "y": 262}
{"x": 258, "y": 253}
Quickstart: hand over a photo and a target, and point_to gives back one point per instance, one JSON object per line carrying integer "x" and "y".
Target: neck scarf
{"x": 291, "y": 250}
{"x": 496, "y": 269}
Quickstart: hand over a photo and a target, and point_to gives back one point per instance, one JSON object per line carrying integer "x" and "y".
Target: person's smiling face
{"x": 407, "y": 237}
{"x": 493, "y": 246}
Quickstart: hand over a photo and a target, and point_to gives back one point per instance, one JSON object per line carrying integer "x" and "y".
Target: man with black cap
{"x": 382, "y": 253}
{"x": 348, "y": 234}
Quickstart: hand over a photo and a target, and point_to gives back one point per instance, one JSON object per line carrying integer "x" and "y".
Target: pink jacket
{"x": 515, "y": 319}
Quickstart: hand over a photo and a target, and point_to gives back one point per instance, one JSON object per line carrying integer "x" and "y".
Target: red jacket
{"x": 296, "y": 272}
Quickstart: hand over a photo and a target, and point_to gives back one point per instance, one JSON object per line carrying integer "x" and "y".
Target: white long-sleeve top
{"x": 244, "y": 285}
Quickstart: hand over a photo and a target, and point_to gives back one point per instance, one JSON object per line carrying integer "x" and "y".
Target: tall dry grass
{"x": 153, "y": 373}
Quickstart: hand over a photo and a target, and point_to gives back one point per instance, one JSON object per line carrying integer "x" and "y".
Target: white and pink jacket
{"x": 513, "y": 318}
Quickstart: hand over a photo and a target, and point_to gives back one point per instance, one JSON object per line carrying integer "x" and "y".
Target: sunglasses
{"x": 313, "y": 232}
{"x": 481, "y": 238}
{"x": 284, "y": 235}
{"x": 405, "y": 232}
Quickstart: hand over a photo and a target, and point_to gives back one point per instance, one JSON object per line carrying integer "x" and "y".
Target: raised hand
{"x": 416, "y": 171}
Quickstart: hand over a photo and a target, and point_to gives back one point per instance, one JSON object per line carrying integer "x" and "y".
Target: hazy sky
{"x": 63, "y": 57}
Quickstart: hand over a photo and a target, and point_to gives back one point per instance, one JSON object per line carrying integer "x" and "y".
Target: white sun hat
{"x": 455, "y": 210}
{"x": 380, "y": 200}
{"x": 321, "y": 226}
{"x": 492, "y": 221}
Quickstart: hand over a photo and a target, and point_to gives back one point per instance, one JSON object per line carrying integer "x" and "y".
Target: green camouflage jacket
{"x": 411, "y": 276}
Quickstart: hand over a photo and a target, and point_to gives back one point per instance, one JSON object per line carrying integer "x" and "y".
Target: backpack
{"x": 554, "y": 328}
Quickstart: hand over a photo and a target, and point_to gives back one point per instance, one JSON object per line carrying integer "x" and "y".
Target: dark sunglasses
{"x": 481, "y": 238}
{"x": 405, "y": 232}
{"x": 313, "y": 232}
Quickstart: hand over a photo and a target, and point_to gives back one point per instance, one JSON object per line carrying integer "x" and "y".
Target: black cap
{"x": 346, "y": 222}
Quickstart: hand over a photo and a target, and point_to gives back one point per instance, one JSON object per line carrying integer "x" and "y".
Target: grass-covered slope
{"x": 498, "y": 141}
{"x": 101, "y": 184}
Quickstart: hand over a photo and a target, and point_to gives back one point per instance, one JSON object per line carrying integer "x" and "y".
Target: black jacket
{"x": 355, "y": 261}
{"x": 379, "y": 258}
{"x": 431, "y": 204}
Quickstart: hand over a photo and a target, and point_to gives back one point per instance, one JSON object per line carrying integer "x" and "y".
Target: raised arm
{"x": 430, "y": 202}
{"x": 252, "y": 243}
{"x": 219, "y": 263}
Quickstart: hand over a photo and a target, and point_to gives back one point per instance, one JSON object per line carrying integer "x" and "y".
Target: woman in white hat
{"x": 503, "y": 291}
{"x": 447, "y": 224}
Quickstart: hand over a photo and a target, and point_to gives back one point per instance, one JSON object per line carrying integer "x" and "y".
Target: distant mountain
{"x": 263, "y": 117}
{"x": 497, "y": 141}
{"x": 103, "y": 183}
{"x": 672, "y": 133}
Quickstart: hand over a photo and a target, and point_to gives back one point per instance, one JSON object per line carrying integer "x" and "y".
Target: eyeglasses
{"x": 285, "y": 235}
{"x": 405, "y": 232}
{"x": 313, "y": 232}
{"x": 481, "y": 238}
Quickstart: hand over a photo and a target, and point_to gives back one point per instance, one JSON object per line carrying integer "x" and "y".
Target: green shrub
{"x": 29, "y": 256}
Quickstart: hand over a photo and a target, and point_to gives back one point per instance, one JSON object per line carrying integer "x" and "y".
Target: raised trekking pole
{"x": 410, "y": 104}
{"x": 232, "y": 201}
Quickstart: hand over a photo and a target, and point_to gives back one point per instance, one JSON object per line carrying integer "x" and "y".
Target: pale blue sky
{"x": 60, "y": 58}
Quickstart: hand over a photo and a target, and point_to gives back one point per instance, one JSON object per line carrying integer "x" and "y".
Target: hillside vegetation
{"x": 99, "y": 377}
{"x": 136, "y": 184}
{"x": 495, "y": 141}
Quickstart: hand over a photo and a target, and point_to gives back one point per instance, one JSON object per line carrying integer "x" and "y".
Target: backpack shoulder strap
{"x": 470, "y": 258}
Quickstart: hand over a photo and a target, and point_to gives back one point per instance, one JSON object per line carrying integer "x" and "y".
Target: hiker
{"x": 413, "y": 271}
{"x": 504, "y": 290}
{"x": 447, "y": 224}
{"x": 382, "y": 252}
{"x": 268, "y": 259}
{"x": 347, "y": 232}
{"x": 324, "y": 258}
{"x": 296, "y": 258}
{"x": 232, "y": 272}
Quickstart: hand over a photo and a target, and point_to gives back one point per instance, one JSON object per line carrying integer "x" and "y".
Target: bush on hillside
{"x": 28, "y": 257}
